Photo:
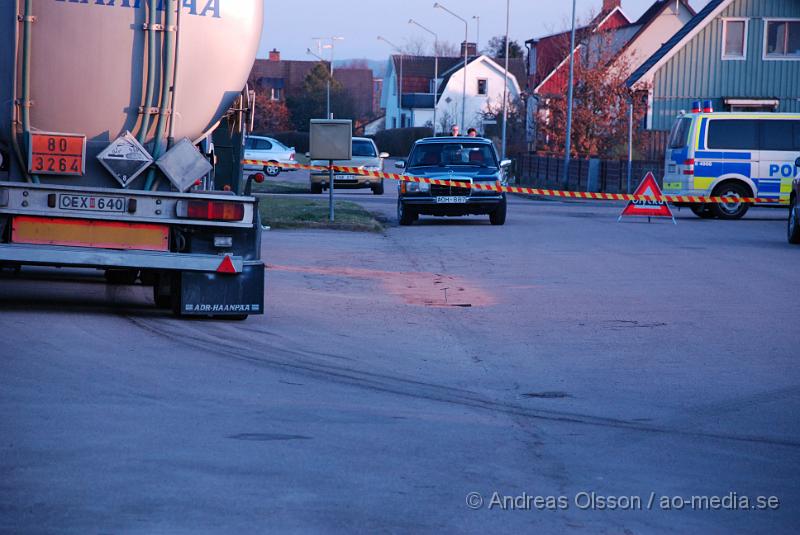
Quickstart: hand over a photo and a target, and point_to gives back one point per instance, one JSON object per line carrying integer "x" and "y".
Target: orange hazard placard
{"x": 648, "y": 207}
{"x": 56, "y": 154}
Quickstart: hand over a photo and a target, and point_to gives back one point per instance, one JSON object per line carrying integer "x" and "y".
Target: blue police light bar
{"x": 708, "y": 106}
{"x": 696, "y": 106}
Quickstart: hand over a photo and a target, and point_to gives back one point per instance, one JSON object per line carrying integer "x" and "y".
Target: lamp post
{"x": 505, "y": 82}
{"x": 477, "y": 19}
{"x": 466, "y": 38}
{"x": 309, "y": 52}
{"x": 330, "y": 46}
{"x": 435, "y": 67}
{"x": 565, "y": 178}
{"x": 399, "y": 82}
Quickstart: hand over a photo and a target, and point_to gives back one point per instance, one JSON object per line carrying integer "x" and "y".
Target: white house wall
{"x": 450, "y": 102}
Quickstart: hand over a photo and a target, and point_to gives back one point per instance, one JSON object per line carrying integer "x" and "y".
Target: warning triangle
{"x": 650, "y": 208}
{"x": 226, "y": 266}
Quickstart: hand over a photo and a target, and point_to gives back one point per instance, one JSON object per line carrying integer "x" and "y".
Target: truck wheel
{"x": 406, "y": 216}
{"x": 793, "y": 227}
{"x": 121, "y": 276}
{"x": 316, "y": 187}
{"x": 272, "y": 169}
{"x": 377, "y": 189}
{"x": 498, "y": 217}
{"x": 703, "y": 211}
{"x": 734, "y": 210}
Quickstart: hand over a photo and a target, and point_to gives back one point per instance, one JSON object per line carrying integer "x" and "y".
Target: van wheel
{"x": 735, "y": 210}
{"x": 316, "y": 188}
{"x": 703, "y": 211}
{"x": 793, "y": 228}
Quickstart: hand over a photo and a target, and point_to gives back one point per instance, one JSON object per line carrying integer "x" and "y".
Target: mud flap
{"x": 221, "y": 294}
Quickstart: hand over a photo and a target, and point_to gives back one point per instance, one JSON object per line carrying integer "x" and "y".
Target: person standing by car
{"x": 454, "y": 130}
{"x": 472, "y": 132}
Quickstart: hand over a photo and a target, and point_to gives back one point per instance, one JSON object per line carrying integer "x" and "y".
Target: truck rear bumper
{"x": 53, "y": 255}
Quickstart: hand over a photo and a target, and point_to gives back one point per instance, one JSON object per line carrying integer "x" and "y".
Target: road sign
{"x": 650, "y": 208}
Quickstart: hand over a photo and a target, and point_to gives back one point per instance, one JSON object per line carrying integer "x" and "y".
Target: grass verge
{"x": 287, "y": 212}
{"x": 276, "y": 186}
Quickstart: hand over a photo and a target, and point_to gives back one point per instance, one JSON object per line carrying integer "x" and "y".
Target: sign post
{"x": 650, "y": 208}
{"x": 331, "y": 139}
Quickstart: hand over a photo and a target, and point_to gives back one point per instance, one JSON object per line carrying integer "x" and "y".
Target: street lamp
{"x": 435, "y": 67}
{"x": 565, "y": 178}
{"x": 477, "y": 19}
{"x": 466, "y": 38}
{"x": 400, "y": 80}
{"x": 309, "y": 52}
{"x": 330, "y": 46}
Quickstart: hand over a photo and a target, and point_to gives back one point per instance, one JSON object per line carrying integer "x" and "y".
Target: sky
{"x": 291, "y": 26}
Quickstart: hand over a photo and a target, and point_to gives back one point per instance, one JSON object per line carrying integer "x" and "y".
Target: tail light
{"x": 291, "y": 156}
{"x": 689, "y": 167}
{"x": 211, "y": 210}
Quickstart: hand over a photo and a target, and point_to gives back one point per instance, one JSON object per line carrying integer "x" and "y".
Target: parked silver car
{"x": 269, "y": 149}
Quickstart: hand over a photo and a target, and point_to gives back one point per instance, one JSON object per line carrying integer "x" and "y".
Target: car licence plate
{"x": 451, "y": 200}
{"x": 96, "y": 203}
{"x": 344, "y": 177}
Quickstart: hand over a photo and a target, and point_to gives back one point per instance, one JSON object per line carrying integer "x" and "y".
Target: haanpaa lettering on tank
{"x": 210, "y": 8}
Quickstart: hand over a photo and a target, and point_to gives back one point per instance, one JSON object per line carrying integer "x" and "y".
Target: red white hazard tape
{"x": 516, "y": 189}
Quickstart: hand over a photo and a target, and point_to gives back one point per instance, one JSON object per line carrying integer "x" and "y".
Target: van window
{"x": 680, "y": 133}
{"x": 780, "y": 135}
{"x": 733, "y": 134}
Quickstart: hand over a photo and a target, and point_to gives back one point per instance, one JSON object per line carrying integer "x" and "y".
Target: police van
{"x": 732, "y": 155}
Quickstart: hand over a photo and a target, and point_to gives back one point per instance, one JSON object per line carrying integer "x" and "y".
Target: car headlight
{"x": 420, "y": 187}
{"x": 375, "y": 168}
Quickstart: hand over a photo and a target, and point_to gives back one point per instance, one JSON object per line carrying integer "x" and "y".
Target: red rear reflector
{"x": 226, "y": 266}
{"x": 690, "y": 161}
{"x": 215, "y": 210}
{"x": 688, "y": 172}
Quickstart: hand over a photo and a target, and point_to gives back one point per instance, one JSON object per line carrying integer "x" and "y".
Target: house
{"x": 611, "y": 38}
{"x": 548, "y": 56}
{"x": 280, "y": 79}
{"x": 743, "y": 55}
{"x": 422, "y": 92}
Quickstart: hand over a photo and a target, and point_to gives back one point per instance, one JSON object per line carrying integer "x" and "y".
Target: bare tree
{"x": 447, "y": 49}
{"x": 417, "y": 45}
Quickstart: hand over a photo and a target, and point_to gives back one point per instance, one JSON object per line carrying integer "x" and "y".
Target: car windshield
{"x": 444, "y": 154}
{"x": 363, "y": 148}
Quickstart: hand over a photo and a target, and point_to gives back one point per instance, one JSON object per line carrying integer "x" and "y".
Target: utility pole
{"x": 505, "y": 83}
{"x": 565, "y": 178}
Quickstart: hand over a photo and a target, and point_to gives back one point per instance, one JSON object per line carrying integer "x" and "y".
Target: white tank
{"x": 88, "y": 64}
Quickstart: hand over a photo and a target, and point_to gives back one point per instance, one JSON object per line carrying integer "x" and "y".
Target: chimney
{"x": 609, "y": 5}
{"x": 274, "y": 55}
{"x": 472, "y": 49}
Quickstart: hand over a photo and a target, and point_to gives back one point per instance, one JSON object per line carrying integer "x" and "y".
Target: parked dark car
{"x": 793, "y": 227}
{"x": 458, "y": 159}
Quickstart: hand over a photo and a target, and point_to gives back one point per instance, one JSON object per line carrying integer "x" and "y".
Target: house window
{"x": 734, "y": 39}
{"x": 276, "y": 93}
{"x": 782, "y": 39}
{"x": 483, "y": 85}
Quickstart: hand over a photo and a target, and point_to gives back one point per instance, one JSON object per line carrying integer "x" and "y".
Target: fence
{"x": 607, "y": 176}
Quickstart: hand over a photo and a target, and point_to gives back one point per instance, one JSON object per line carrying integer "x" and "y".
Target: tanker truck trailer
{"x": 121, "y": 138}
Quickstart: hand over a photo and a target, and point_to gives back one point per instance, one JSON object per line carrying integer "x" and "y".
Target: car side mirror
{"x": 400, "y": 164}
{"x": 383, "y": 155}
{"x": 505, "y": 163}
{"x": 797, "y": 162}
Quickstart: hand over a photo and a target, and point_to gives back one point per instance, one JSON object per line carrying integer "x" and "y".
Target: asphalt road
{"x": 561, "y": 355}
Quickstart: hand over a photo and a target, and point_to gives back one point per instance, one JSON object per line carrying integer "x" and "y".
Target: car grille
{"x": 451, "y": 191}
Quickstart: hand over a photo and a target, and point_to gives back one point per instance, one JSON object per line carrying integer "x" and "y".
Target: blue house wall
{"x": 697, "y": 70}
